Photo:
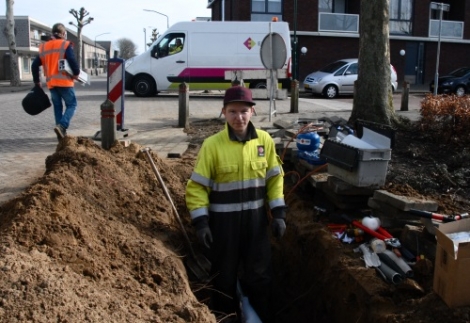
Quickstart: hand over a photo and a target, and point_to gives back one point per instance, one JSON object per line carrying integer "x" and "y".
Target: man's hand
{"x": 279, "y": 224}
{"x": 203, "y": 231}
{"x": 279, "y": 228}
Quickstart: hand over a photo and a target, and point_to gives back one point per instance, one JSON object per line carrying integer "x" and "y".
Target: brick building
{"x": 28, "y": 33}
{"x": 329, "y": 30}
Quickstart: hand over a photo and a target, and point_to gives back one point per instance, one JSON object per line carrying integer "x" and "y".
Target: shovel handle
{"x": 167, "y": 193}
{"x": 437, "y": 216}
{"x": 427, "y": 214}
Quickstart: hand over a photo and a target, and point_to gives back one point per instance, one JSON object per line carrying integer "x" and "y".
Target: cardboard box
{"x": 452, "y": 265}
{"x": 64, "y": 66}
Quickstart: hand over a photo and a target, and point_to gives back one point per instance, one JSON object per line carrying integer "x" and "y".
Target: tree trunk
{"x": 373, "y": 100}
{"x": 81, "y": 64}
{"x": 9, "y": 32}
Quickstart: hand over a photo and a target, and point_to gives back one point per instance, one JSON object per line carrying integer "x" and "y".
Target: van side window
{"x": 176, "y": 45}
{"x": 169, "y": 45}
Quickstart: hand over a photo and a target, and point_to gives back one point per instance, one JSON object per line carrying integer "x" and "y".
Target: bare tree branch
{"x": 81, "y": 22}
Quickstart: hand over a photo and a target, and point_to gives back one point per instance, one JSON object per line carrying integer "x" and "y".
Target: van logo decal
{"x": 249, "y": 43}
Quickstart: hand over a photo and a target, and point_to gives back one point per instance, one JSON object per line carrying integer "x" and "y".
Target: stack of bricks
{"x": 392, "y": 210}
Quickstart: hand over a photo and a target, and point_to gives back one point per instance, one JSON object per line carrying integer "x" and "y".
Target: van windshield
{"x": 333, "y": 67}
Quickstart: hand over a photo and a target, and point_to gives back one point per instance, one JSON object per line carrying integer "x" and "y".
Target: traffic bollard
{"x": 183, "y": 106}
{"x": 108, "y": 124}
{"x": 294, "y": 97}
{"x": 404, "y": 96}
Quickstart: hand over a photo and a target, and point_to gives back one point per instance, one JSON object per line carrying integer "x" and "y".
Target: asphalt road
{"x": 26, "y": 141}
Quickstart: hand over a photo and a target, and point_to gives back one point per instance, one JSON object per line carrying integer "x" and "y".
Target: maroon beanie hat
{"x": 238, "y": 94}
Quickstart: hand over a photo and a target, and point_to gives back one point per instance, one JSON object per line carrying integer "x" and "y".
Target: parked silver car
{"x": 338, "y": 78}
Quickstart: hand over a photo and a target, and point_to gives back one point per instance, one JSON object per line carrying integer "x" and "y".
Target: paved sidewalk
{"x": 152, "y": 122}
{"x": 5, "y": 87}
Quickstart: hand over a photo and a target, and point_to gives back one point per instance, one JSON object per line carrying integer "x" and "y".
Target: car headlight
{"x": 447, "y": 83}
{"x": 316, "y": 81}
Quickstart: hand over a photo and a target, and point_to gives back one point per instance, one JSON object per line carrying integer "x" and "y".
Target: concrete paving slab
{"x": 405, "y": 203}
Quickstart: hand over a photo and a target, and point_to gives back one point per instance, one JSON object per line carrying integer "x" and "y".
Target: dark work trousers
{"x": 241, "y": 246}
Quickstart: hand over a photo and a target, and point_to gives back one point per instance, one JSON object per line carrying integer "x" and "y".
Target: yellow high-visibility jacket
{"x": 233, "y": 176}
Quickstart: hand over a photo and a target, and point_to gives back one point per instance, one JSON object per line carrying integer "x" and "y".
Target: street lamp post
{"x": 406, "y": 87}
{"x": 402, "y": 54}
{"x": 294, "y": 108}
{"x": 295, "y": 62}
{"x": 441, "y": 7}
{"x": 167, "y": 19}
{"x": 96, "y": 57}
{"x": 145, "y": 39}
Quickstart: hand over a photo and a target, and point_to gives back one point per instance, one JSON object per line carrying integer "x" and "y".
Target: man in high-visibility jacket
{"x": 177, "y": 48}
{"x": 60, "y": 83}
{"x": 237, "y": 177}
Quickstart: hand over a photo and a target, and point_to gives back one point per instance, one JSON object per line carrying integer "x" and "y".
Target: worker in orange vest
{"x": 60, "y": 83}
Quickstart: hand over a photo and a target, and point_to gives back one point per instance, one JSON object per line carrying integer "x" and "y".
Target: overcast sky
{"x": 121, "y": 18}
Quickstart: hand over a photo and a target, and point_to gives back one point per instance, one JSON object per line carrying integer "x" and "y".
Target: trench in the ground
{"x": 316, "y": 278}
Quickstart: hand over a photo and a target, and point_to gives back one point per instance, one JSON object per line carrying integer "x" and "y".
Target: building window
{"x": 26, "y": 64}
{"x": 436, "y": 14}
{"x": 265, "y": 10}
{"x": 333, "y": 6}
{"x": 325, "y": 5}
{"x": 400, "y": 16}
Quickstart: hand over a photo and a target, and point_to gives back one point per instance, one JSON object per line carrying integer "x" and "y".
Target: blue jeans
{"x": 67, "y": 94}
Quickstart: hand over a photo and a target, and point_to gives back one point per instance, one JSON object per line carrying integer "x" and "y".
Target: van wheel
{"x": 330, "y": 91}
{"x": 259, "y": 85}
{"x": 144, "y": 86}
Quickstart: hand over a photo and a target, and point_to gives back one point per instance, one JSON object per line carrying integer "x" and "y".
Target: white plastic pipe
{"x": 249, "y": 314}
{"x": 395, "y": 262}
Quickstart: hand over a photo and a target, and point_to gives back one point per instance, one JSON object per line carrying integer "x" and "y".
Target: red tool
{"x": 380, "y": 233}
{"x": 337, "y": 227}
{"x": 437, "y": 216}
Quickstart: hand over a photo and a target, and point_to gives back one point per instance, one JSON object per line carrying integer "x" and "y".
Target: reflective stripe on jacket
{"x": 50, "y": 53}
{"x": 233, "y": 176}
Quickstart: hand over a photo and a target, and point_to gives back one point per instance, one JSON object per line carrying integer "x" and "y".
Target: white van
{"x": 206, "y": 51}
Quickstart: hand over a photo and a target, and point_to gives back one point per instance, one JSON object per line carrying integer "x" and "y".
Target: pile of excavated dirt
{"x": 95, "y": 240}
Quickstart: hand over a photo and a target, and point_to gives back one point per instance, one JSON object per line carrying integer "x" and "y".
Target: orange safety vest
{"x": 50, "y": 53}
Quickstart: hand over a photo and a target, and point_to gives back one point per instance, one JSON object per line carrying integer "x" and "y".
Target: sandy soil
{"x": 96, "y": 240}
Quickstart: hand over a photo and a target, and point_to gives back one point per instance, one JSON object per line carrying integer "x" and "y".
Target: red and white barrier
{"x": 116, "y": 89}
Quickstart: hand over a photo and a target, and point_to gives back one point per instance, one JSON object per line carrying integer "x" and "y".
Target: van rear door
{"x": 169, "y": 61}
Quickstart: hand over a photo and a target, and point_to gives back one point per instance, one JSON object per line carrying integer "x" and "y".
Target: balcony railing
{"x": 35, "y": 42}
{"x": 338, "y": 22}
{"x": 449, "y": 29}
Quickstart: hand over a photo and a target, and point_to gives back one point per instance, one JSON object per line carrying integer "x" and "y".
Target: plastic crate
{"x": 367, "y": 174}
{"x": 358, "y": 167}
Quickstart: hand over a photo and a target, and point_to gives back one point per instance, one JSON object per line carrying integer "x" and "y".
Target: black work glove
{"x": 203, "y": 231}
{"x": 279, "y": 224}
